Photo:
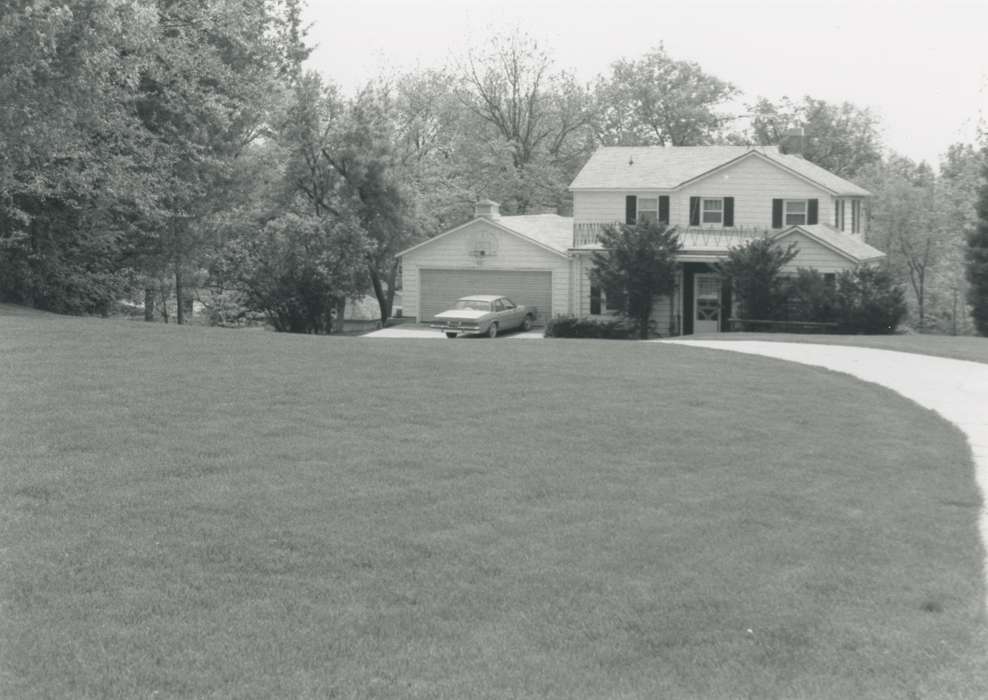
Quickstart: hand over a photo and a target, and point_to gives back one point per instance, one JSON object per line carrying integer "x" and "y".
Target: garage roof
{"x": 546, "y": 230}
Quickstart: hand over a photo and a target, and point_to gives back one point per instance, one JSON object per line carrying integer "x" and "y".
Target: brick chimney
{"x": 486, "y": 209}
{"x": 792, "y": 141}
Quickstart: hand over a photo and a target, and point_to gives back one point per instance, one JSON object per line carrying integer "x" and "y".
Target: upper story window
{"x": 648, "y": 209}
{"x": 855, "y": 216}
{"x": 796, "y": 212}
{"x": 712, "y": 211}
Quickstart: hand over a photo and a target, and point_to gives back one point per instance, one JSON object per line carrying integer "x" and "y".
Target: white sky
{"x": 922, "y": 66}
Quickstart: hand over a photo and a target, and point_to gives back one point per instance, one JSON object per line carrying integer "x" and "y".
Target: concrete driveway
{"x": 416, "y": 331}
{"x": 956, "y": 389}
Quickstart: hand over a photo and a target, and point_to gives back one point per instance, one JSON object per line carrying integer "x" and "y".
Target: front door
{"x": 706, "y": 303}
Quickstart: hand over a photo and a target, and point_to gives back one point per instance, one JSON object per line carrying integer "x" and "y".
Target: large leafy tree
{"x": 532, "y": 123}
{"x": 755, "y": 270}
{"x": 203, "y": 99}
{"x": 977, "y": 260}
{"x": 73, "y": 153}
{"x": 637, "y": 263}
{"x": 842, "y": 138}
{"x": 904, "y": 222}
{"x": 657, "y": 100}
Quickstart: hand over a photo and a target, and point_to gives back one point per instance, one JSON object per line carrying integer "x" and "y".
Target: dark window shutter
{"x": 728, "y": 211}
{"x": 776, "y": 213}
{"x": 836, "y": 213}
{"x": 694, "y": 211}
{"x": 664, "y": 208}
{"x": 813, "y": 212}
{"x": 630, "y": 209}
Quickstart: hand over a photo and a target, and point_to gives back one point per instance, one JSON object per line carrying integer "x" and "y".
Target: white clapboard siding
{"x": 754, "y": 183}
{"x": 814, "y": 255}
{"x": 452, "y": 252}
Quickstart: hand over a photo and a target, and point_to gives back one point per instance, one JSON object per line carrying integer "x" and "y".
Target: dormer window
{"x": 796, "y": 212}
{"x": 712, "y": 211}
{"x": 648, "y": 210}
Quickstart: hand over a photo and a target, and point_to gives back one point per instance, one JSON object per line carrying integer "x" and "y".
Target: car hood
{"x": 462, "y": 315}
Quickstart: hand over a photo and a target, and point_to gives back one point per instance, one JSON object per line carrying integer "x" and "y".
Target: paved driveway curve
{"x": 956, "y": 389}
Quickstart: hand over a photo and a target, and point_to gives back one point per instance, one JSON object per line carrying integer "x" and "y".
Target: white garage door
{"x": 441, "y": 288}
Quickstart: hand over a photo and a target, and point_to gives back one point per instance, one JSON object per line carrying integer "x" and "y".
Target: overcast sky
{"x": 921, "y": 66}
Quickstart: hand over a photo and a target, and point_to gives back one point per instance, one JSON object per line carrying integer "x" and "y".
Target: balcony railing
{"x": 586, "y": 234}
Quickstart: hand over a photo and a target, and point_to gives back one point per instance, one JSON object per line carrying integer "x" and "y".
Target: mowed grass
{"x": 958, "y": 347}
{"x": 195, "y": 512}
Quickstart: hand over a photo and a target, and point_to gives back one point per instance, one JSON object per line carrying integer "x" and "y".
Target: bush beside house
{"x": 613, "y": 328}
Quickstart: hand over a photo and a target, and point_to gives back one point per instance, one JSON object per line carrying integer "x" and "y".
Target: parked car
{"x": 486, "y": 314}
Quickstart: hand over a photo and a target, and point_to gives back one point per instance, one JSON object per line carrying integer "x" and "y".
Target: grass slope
{"x": 974, "y": 349}
{"x": 199, "y": 512}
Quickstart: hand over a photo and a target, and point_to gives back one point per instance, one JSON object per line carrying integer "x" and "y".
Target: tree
{"x": 657, "y": 100}
{"x": 536, "y": 121}
{"x": 298, "y": 270}
{"x": 637, "y": 262}
{"x": 755, "y": 271}
{"x": 977, "y": 260}
{"x": 73, "y": 152}
{"x": 842, "y": 138}
{"x": 203, "y": 99}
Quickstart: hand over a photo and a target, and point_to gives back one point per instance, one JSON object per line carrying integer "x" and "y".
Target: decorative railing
{"x": 587, "y": 234}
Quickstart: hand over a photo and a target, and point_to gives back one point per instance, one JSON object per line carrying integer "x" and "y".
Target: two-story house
{"x": 716, "y": 196}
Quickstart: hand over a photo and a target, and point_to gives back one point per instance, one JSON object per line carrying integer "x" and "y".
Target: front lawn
{"x": 958, "y": 347}
{"x": 203, "y": 512}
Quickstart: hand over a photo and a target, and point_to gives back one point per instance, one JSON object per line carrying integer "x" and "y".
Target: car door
{"x": 512, "y": 314}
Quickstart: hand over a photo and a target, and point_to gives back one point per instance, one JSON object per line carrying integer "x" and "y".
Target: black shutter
{"x": 813, "y": 211}
{"x": 776, "y": 213}
{"x": 694, "y": 211}
{"x": 630, "y": 209}
{"x": 728, "y": 211}
{"x": 664, "y": 208}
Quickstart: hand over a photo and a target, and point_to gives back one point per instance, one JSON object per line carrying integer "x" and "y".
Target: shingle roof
{"x": 550, "y": 230}
{"x": 853, "y": 246}
{"x": 658, "y": 167}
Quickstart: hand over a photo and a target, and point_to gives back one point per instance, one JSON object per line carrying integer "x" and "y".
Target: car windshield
{"x": 475, "y": 304}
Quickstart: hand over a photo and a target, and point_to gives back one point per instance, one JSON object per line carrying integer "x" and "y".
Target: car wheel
{"x": 526, "y": 325}
{"x": 492, "y": 331}
{"x": 451, "y": 335}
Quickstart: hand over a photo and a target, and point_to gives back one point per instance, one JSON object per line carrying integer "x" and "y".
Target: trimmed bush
{"x": 809, "y": 298}
{"x": 618, "y": 328}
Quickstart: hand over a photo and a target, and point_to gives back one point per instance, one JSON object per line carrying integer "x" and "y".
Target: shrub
{"x": 868, "y": 301}
{"x": 755, "y": 272}
{"x": 810, "y": 298}
{"x": 618, "y": 328}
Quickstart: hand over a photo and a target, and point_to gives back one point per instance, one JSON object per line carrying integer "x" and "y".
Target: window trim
{"x": 785, "y": 212}
{"x": 703, "y": 202}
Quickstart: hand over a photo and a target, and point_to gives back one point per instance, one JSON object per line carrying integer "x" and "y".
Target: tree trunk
{"x": 149, "y": 304}
{"x": 179, "y": 311}
{"x": 340, "y": 313}
{"x": 383, "y": 299}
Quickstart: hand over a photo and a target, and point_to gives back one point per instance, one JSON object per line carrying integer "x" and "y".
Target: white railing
{"x": 587, "y": 234}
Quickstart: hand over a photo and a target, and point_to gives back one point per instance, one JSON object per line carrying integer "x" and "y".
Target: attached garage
{"x": 524, "y": 258}
{"x": 440, "y": 288}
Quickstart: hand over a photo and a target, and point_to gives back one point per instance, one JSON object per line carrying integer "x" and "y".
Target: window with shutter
{"x": 856, "y": 216}
{"x": 648, "y": 210}
{"x": 795, "y": 212}
{"x": 712, "y": 212}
